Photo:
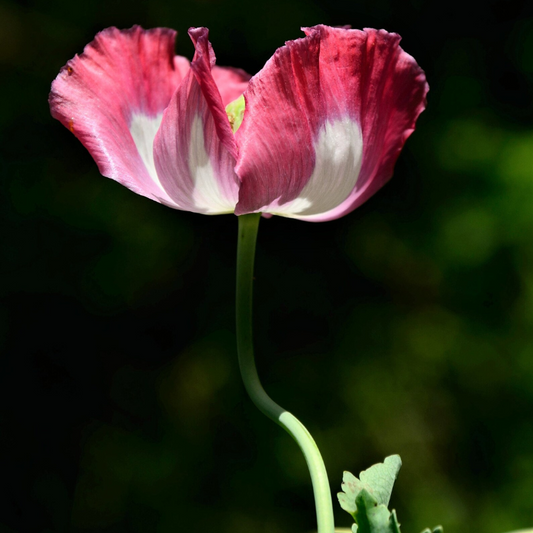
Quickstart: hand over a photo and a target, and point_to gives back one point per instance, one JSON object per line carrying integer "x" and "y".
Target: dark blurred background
{"x": 405, "y": 327}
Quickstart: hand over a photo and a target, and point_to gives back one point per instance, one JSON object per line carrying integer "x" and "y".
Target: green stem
{"x": 248, "y": 225}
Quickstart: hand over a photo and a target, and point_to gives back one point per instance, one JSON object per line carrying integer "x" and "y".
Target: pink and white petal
{"x": 366, "y": 101}
{"x": 112, "y": 98}
{"x": 231, "y": 82}
{"x": 390, "y": 95}
{"x": 194, "y": 149}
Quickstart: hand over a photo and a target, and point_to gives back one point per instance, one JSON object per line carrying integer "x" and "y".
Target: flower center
{"x": 235, "y": 112}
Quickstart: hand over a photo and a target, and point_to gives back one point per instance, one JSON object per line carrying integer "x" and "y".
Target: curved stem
{"x": 248, "y": 225}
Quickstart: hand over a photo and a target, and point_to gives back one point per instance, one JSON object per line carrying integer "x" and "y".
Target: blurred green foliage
{"x": 405, "y": 327}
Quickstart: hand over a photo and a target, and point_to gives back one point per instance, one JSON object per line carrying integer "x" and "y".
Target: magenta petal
{"x": 195, "y": 150}
{"x": 345, "y": 100}
{"x": 112, "y": 98}
{"x": 276, "y": 154}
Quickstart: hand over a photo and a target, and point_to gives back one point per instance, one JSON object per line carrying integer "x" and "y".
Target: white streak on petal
{"x": 143, "y": 129}
{"x": 207, "y": 196}
{"x": 338, "y": 150}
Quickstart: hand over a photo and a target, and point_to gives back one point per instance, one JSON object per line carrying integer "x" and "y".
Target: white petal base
{"x": 339, "y": 150}
{"x": 207, "y": 196}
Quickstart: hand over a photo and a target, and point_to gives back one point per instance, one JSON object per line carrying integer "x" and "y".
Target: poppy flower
{"x": 311, "y": 136}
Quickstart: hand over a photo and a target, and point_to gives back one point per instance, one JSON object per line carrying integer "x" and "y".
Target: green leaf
{"x": 347, "y": 498}
{"x": 377, "y": 480}
{"x": 367, "y": 498}
{"x": 372, "y": 517}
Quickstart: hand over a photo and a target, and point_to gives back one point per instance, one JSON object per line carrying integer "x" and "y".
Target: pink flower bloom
{"x": 323, "y": 125}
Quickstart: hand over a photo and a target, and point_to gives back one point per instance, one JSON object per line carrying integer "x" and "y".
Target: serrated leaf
{"x": 347, "y": 498}
{"x": 381, "y": 477}
{"x": 437, "y": 529}
{"x": 378, "y": 480}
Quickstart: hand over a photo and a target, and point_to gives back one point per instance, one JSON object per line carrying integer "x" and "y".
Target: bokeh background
{"x": 405, "y": 327}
